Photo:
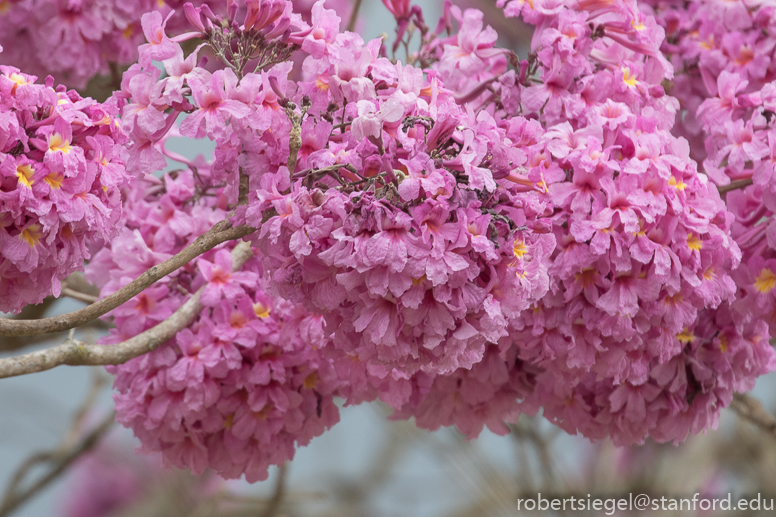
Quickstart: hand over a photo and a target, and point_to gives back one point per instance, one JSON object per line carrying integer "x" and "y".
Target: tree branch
{"x": 73, "y": 352}
{"x": 220, "y": 233}
{"x": 9, "y": 344}
{"x": 78, "y": 295}
{"x": 60, "y": 461}
{"x": 749, "y": 408}
{"x": 734, "y": 185}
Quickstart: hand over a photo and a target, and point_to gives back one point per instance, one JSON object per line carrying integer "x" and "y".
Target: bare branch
{"x": 60, "y": 461}
{"x": 243, "y": 189}
{"x": 9, "y": 344}
{"x": 734, "y": 185}
{"x": 77, "y": 282}
{"x": 749, "y": 408}
{"x": 73, "y": 352}
{"x": 220, "y": 233}
{"x": 78, "y": 295}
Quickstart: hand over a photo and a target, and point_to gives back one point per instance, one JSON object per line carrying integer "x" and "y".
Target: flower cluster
{"x": 494, "y": 391}
{"x": 244, "y": 384}
{"x": 77, "y": 39}
{"x": 418, "y": 209}
{"x": 644, "y": 249}
{"x": 466, "y": 237}
{"x": 414, "y": 226}
{"x": 727, "y": 93}
{"x": 416, "y": 252}
{"x": 61, "y": 166}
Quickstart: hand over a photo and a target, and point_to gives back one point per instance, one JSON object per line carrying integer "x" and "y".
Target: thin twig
{"x": 73, "y": 352}
{"x": 60, "y": 460}
{"x": 78, "y": 295}
{"x": 749, "y": 408}
{"x": 220, "y": 233}
{"x": 354, "y": 16}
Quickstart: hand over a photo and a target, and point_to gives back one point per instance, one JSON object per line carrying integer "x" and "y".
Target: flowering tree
{"x": 463, "y": 233}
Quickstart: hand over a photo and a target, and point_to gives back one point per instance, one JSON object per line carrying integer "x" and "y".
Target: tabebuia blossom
{"x": 682, "y": 396}
{"x": 496, "y": 390}
{"x": 413, "y": 228}
{"x": 61, "y": 167}
{"x": 413, "y": 225}
{"x": 466, "y": 236}
{"x": 74, "y": 40}
{"x": 726, "y": 90}
{"x": 245, "y": 383}
{"x": 644, "y": 251}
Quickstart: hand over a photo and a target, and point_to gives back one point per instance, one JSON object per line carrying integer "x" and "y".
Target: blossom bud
{"x": 193, "y": 16}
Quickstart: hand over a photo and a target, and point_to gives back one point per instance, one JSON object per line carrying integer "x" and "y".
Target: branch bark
{"x": 734, "y": 185}
{"x": 73, "y": 352}
{"x": 220, "y": 233}
{"x": 749, "y": 408}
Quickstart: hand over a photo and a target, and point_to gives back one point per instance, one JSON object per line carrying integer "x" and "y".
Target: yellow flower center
{"x": 261, "y": 310}
{"x": 24, "y": 173}
{"x": 31, "y": 234}
{"x": 694, "y": 243}
{"x": 766, "y": 281}
{"x": 310, "y": 381}
{"x": 57, "y": 143}
{"x": 321, "y": 85}
{"x": 54, "y": 180}
{"x": 677, "y": 184}
{"x": 520, "y": 249}
{"x": 685, "y": 336}
{"x": 17, "y": 78}
{"x": 586, "y": 277}
{"x": 629, "y": 79}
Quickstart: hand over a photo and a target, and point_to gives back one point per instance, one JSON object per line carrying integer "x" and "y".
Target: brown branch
{"x": 734, "y": 185}
{"x": 220, "y": 233}
{"x": 243, "y": 189}
{"x": 78, "y": 295}
{"x": 9, "y": 344}
{"x": 60, "y": 461}
{"x": 749, "y": 408}
{"x": 73, "y": 352}
{"x": 77, "y": 282}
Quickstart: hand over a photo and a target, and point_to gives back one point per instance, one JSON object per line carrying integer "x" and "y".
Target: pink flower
{"x": 221, "y": 280}
{"x": 215, "y": 103}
